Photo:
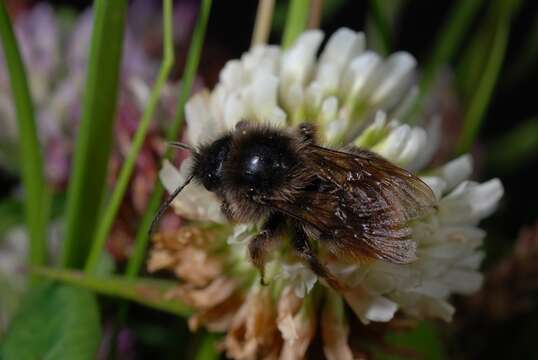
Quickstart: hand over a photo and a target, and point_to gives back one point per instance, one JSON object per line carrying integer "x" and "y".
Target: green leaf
{"x": 191, "y": 68}
{"x": 146, "y": 291}
{"x": 36, "y": 202}
{"x": 54, "y": 322}
{"x": 298, "y": 12}
{"x": 116, "y": 198}
{"x": 94, "y": 138}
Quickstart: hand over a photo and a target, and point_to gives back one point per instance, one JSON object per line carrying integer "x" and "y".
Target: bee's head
{"x": 209, "y": 163}
{"x": 260, "y": 160}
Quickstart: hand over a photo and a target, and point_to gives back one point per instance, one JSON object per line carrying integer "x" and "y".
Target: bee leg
{"x": 304, "y": 250}
{"x": 258, "y": 247}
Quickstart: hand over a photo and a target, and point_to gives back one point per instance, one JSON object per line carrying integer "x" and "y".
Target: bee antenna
{"x": 166, "y": 204}
{"x": 179, "y": 145}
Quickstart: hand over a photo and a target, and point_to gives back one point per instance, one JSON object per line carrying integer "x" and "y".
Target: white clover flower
{"x": 353, "y": 96}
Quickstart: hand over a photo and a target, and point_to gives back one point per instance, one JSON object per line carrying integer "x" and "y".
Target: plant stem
{"x": 315, "y": 14}
{"x": 262, "y": 26}
{"x": 36, "y": 199}
{"x": 191, "y": 68}
{"x": 94, "y": 138}
{"x": 296, "y": 21}
{"x": 111, "y": 210}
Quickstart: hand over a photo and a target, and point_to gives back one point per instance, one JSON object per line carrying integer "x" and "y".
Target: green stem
{"x": 111, "y": 210}
{"x": 36, "y": 200}
{"x": 191, "y": 68}
{"x": 262, "y": 25}
{"x": 296, "y": 21}
{"x": 146, "y": 291}
{"x": 94, "y": 138}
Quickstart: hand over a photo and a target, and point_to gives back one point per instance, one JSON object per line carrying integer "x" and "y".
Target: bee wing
{"x": 362, "y": 206}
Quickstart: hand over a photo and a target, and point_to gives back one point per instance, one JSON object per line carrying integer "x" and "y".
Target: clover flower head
{"x": 354, "y": 97}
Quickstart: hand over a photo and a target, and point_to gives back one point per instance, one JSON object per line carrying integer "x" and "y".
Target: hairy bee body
{"x": 353, "y": 202}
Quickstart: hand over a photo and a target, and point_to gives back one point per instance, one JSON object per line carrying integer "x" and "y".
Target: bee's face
{"x": 209, "y": 163}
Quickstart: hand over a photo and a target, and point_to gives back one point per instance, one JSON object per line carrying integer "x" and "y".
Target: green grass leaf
{"x": 145, "y": 291}
{"x": 36, "y": 202}
{"x": 191, "y": 68}
{"x": 487, "y": 59}
{"x": 126, "y": 171}
{"x": 94, "y": 138}
{"x": 54, "y": 322}
{"x": 298, "y": 12}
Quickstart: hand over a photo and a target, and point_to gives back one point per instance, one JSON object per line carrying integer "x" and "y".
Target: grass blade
{"x": 480, "y": 98}
{"x": 191, "y": 68}
{"x": 111, "y": 210}
{"x": 296, "y": 21}
{"x": 381, "y": 25}
{"x": 149, "y": 292}
{"x": 36, "y": 197}
{"x": 94, "y": 138}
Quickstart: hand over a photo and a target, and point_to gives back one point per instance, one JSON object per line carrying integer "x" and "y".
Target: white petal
{"x": 437, "y": 185}
{"x": 361, "y": 69}
{"x": 342, "y": 46}
{"x": 297, "y": 62}
{"x": 370, "y": 307}
{"x": 414, "y": 147}
{"x": 232, "y": 75}
{"x": 374, "y": 132}
{"x": 428, "y": 149}
{"x": 456, "y": 171}
{"x": 234, "y": 109}
{"x": 392, "y": 146}
{"x": 470, "y": 202}
{"x": 201, "y": 126}
{"x": 394, "y": 78}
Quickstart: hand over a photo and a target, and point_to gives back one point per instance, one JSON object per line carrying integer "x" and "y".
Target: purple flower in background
{"x": 54, "y": 46}
{"x": 55, "y": 51}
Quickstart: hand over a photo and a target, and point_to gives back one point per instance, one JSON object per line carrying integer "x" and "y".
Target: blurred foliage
{"x": 54, "y": 322}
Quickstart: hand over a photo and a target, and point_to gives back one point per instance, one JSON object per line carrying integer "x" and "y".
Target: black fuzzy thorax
{"x": 251, "y": 165}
